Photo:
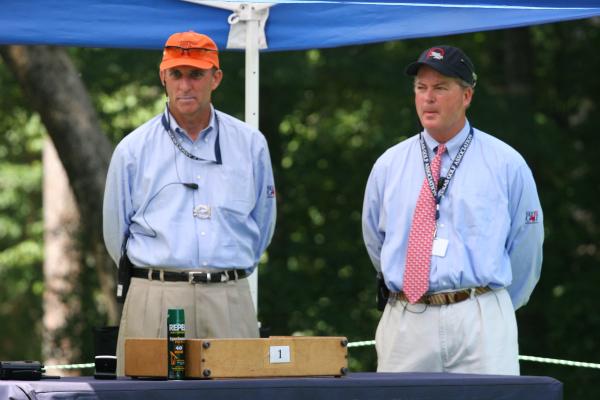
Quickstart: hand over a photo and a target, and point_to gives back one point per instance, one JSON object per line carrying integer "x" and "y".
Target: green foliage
{"x": 124, "y": 85}
{"x": 328, "y": 115}
{"x": 21, "y": 228}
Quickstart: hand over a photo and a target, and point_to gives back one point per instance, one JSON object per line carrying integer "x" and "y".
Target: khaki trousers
{"x": 212, "y": 310}
{"x": 478, "y": 335}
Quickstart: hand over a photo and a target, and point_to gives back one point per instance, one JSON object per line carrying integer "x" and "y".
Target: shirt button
{"x": 205, "y": 263}
{"x": 198, "y": 177}
{"x": 205, "y": 140}
{"x": 203, "y": 233}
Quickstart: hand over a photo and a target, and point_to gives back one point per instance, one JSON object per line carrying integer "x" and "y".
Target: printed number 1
{"x": 279, "y": 354}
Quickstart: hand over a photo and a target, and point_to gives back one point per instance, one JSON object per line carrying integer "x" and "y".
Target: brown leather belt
{"x": 190, "y": 276}
{"x": 440, "y": 299}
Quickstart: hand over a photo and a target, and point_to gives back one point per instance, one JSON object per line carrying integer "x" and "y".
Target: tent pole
{"x": 252, "y": 98}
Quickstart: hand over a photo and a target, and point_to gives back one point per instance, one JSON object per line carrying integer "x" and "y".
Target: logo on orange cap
{"x": 190, "y": 49}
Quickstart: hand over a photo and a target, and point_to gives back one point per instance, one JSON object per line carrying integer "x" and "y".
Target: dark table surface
{"x": 364, "y": 385}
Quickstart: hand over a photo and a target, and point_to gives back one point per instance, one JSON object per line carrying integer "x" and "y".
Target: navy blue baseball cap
{"x": 447, "y": 60}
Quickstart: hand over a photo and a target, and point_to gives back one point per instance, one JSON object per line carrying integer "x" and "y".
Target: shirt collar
{"x": 204, "y": 133}
{"x": 207, "y": 146}
{"x": 210, "y": 129}
{"x": 452, "y": 145}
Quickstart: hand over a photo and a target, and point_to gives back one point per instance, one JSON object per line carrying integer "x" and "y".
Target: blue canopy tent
{"x": 292, "y": 25}
{"x": 271, "y": 26}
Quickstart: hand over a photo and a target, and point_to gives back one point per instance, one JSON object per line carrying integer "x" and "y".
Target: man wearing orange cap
{"x": 189, "y": 206}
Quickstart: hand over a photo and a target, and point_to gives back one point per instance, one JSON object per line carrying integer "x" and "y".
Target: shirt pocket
{"x": 480, "y": 211}
{"x": 237, "y": 193}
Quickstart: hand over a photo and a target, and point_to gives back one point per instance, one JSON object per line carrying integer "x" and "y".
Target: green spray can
{"x": 176, "y": 343}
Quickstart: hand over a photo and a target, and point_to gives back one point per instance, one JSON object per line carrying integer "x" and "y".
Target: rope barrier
{"x": 372, "y": 343}
{"x": 560, "y": 362}
{"x": 363, "y": 343}
{"x": 70, "y": 366}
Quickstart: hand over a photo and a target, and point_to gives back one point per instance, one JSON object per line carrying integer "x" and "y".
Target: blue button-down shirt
{"x": 145, "y": 197}
{"x": 490, "y": 215}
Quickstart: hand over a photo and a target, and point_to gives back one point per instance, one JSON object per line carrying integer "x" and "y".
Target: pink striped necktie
{"x": 420, "y": 239}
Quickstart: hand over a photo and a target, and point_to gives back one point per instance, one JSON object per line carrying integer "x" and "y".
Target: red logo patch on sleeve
{"x": 532, "y": 217}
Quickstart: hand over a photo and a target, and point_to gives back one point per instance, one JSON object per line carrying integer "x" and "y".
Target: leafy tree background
{"x": 327, "y": 115}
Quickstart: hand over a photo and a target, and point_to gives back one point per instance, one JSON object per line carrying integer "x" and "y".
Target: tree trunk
{"x": 62, "y": 305}
{"x": 53, "y": 86}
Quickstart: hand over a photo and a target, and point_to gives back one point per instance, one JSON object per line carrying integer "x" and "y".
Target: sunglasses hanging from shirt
{"x": 166, "y": 122}
{"x": 443, "y": 183}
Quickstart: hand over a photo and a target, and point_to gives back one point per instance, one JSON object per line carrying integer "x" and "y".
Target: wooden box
{"x": 276, "y": 356}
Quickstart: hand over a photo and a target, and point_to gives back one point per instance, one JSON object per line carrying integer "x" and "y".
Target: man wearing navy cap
{"x": 189, "y": 206}
{"x": 453, "y": 225}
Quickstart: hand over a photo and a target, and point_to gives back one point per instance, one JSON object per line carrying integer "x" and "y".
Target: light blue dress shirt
{"x": 490, "y": 215}
{"x": 145, "y": 197}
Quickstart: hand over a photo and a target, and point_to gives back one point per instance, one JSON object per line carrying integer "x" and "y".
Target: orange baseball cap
{"x": 190, "y": 49}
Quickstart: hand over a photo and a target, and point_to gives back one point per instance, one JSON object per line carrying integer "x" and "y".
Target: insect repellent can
{"x": 176, "y": 343}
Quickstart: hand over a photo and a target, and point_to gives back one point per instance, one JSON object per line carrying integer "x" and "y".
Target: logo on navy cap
{"x": 436, "y": 53}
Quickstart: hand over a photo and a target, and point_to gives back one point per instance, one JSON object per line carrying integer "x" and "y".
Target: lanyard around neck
{"x": 439, "y": 193}
{"x": 166, "y": 122}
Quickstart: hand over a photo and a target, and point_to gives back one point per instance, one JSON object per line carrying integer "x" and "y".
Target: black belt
{"x": 190, "y": 276}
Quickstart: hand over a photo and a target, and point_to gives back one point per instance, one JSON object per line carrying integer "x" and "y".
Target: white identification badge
{"x": 439, "y": 247}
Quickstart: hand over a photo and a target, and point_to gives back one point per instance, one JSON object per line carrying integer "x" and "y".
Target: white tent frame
{"x": 253, "y": 16}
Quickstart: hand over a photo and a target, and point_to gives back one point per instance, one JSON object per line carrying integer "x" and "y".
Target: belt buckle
{"x": 223, "y": 277}
{"x": 428, "y": 299}
{"x": 192, "y": 277}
